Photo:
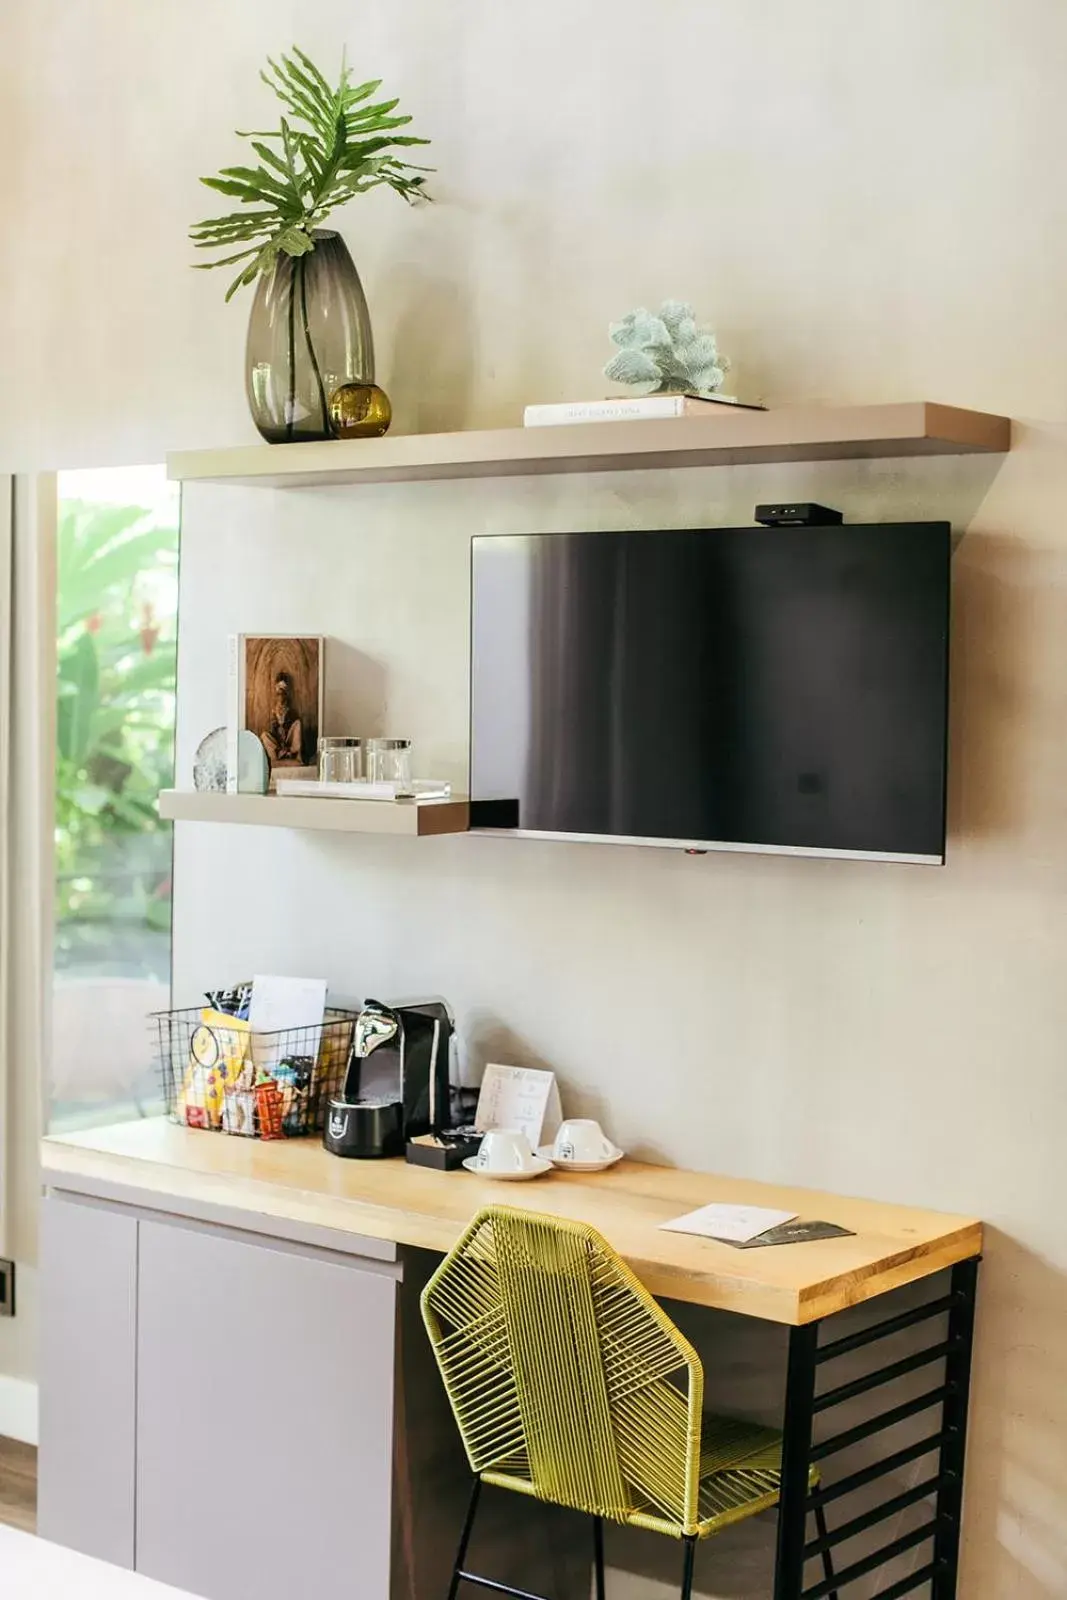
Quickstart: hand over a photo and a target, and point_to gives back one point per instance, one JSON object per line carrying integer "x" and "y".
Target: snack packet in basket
{"x": 219, "y": 1061}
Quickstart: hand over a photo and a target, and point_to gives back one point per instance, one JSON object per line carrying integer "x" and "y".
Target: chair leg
{"x": 687, "y": 1565}
{"x": 465, "y": 1538}
{"x": 827, "y": 1558}
{"x": 598, "y": 1556}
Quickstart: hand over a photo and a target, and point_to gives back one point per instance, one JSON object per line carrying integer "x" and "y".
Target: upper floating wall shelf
{"x": 810, "y": 433}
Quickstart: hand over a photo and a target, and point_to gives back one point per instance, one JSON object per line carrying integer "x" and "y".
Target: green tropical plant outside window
{"x": 116, "y": 667}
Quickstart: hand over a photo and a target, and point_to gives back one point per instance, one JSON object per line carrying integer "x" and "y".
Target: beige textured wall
{"x": 869, "y": 202}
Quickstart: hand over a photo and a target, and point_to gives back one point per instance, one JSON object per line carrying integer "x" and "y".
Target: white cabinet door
{"x": 264, "y": 1418}
{"x": 87, "y": 1378}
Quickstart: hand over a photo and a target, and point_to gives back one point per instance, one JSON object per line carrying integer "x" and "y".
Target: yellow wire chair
{"x": 570, "y": 1384}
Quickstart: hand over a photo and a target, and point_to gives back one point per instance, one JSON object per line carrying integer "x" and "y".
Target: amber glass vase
{"x": 309, "y": 332}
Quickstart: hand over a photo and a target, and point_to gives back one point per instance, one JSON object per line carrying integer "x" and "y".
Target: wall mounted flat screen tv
{"x": 764, "y": 689}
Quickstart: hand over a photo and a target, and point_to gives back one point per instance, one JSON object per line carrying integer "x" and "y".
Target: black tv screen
{"x": 779, "y": 689}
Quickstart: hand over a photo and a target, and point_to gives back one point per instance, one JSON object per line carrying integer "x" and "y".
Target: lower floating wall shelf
{"x": 410, "y": 819}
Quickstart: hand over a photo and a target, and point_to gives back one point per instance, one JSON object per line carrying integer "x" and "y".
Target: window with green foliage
{"x": 117, "y": 596}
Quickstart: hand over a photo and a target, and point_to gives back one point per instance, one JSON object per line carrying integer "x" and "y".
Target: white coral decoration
{"x": 665, "y": 352}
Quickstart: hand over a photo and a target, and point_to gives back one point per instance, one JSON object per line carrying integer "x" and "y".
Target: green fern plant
{"x": 334, "y": 143}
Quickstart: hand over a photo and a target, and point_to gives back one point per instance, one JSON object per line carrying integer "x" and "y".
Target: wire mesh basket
{"x": 217, "y": 1073}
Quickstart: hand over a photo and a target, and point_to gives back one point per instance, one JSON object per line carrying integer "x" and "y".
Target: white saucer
{"x": 538, "y": 1171}
{"x": 545, "y": 1154}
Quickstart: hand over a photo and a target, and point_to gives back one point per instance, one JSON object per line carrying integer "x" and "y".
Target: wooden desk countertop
{"x": 296, "y": 1180}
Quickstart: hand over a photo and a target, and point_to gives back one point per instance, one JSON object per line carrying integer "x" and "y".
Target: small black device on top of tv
{"x": 761, "y": 689}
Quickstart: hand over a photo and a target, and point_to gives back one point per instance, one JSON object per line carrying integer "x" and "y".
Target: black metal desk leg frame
{"x": 796, "y": 1462}
{"x": 954, "y": 1428}
{"x": 945, "y": 1355}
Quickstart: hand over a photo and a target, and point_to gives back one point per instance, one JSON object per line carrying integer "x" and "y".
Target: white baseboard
{"x": 18, "y": 1409}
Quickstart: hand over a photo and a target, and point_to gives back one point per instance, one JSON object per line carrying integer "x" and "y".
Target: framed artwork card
{"x": 277, "y": 682}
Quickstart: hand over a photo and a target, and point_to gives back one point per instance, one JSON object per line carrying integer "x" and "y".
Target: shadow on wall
{"x": 1008, "y": 760}
{"x": 1015, "y": 1520}
{"x": 356, "y": 692}
{"x": 434, "y": 359}
{"x": 486, "y": 1037}
{"x": 987, "y": 734}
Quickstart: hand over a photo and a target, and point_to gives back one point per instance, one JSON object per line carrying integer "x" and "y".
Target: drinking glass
{"x": 389, "y": 761}
{"x": 340, "y": 760}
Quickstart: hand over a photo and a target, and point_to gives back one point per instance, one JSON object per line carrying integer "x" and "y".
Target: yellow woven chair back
{"x": 566, "y": 1378}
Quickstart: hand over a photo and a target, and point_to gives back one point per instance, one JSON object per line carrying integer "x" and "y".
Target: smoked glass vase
{"x": 309, "y": 332}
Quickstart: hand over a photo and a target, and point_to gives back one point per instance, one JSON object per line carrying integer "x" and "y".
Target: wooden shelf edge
{"x": 811, "y": 433}
{"x": 414, "y": 819}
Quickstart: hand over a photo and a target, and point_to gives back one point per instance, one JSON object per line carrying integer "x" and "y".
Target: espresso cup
{"x": 582, "y": 1139}
{"x": 504, "y": 1150}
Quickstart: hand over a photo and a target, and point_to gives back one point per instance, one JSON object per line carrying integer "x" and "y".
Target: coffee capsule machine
{"x": 396, "y": 1087}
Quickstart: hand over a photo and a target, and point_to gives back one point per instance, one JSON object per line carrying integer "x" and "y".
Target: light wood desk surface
{"x": 297, "y": 1181}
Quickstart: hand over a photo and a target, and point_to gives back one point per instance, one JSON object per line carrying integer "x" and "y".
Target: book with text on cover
{"x": 633, "y": 408}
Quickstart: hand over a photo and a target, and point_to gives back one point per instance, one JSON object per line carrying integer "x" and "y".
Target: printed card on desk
{"x": 523, "y": 1098}
{"x": 732, "y": 1224}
